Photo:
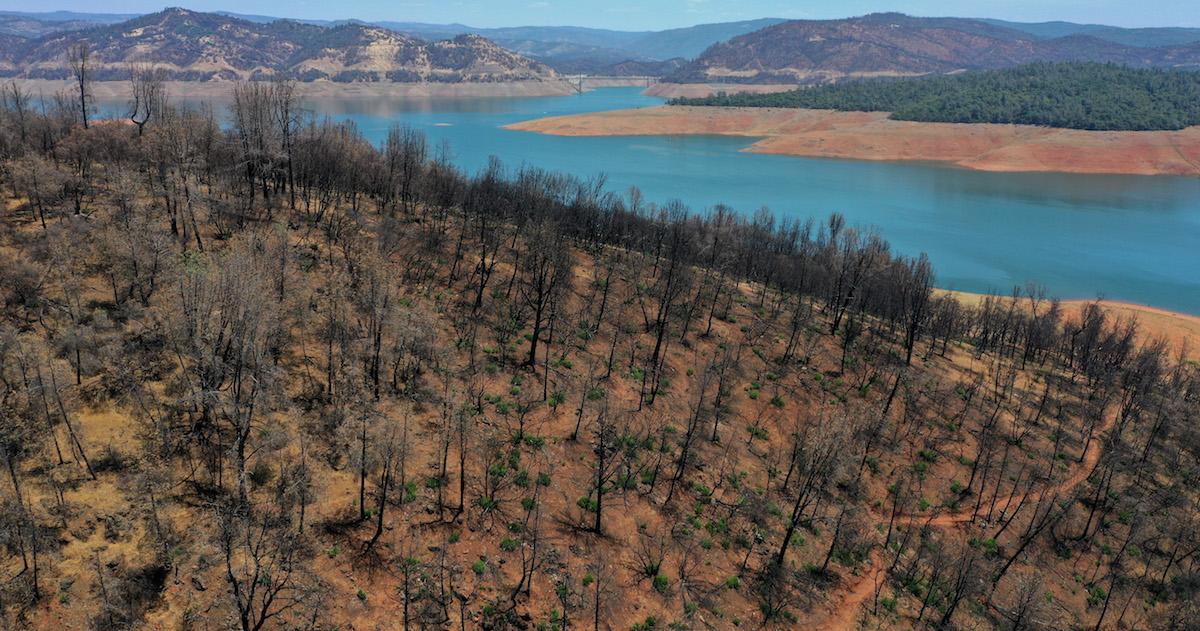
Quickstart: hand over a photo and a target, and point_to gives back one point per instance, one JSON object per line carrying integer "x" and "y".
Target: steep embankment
{"x": 872, "y": 136}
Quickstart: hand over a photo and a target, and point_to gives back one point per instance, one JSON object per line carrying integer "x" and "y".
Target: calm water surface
{"x": 1129, "y": 238}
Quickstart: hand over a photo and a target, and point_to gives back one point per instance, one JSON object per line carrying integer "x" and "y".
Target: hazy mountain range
{"x": 193, "y": 45}
{"x": 576, "y": 49}
{"x": 814, "y": 51}
{"x": 188, "y": 45}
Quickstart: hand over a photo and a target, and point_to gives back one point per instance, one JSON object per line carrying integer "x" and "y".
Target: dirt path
{"x": 845, "y": 615}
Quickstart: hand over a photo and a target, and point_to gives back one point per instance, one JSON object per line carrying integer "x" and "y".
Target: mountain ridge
{"x": 893, "y": 44}
{"x": 575, "y": 49}
{"x": 550, "y": 44}
{"x": 190, "y": 45}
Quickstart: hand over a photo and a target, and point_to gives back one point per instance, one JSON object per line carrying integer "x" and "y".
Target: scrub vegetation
{"x": 266, "y": 375}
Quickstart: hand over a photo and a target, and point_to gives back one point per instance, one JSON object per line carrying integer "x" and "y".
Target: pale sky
{"x": 658, "y": 14}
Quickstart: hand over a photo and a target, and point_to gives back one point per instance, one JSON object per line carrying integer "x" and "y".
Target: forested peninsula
{"x": 1088, "y": 96}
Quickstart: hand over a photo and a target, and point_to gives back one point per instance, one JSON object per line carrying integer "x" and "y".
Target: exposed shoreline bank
{"x": 322, "y": 89}
{"x": 1181, "y": 331}
{"x": 701, "y": 90}
{"x": 873, "y": 136}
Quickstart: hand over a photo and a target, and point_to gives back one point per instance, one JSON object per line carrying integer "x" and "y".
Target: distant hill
{"x": 554, "y": 41}
{"x": 891, "y": 44}
{"x": 787, "y": 51}
{"x": 570, "y": 46}
{"x": 562, "y": 47}
{"x": 691, "y": 41}
{"x": 32, "y": 25}
{"x": 549, "y": 44}
{"x": 1069, "y": 95}
{"x": 27, "y": 27}
{"x": 189, "y": 45}
{"x": 1142, "y": 37}
{"x": 627, "y": 68}
{"x": 72, "y": 16}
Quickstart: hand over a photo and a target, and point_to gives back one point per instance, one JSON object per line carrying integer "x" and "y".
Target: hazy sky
{"x": 658, "y": 14}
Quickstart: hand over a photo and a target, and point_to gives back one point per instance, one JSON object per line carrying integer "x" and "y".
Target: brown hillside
{"x": 188, "y": 45}
{"x": 265, "y": 377}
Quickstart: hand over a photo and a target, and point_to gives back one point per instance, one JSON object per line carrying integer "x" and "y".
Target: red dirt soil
{"x": 1180, "y": 331}
{"x": 845, "y": 616}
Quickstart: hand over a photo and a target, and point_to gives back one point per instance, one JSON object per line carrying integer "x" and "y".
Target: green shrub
{"x": 1096, "y": 595}
{"x": 661, "y": 583}
{"x": 260, "y": 474}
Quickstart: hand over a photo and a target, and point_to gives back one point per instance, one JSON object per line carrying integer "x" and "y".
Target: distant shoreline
{"x": 324, "y": 89}
{"x": 873, "y": 136}
{"x": 701, "y": 90}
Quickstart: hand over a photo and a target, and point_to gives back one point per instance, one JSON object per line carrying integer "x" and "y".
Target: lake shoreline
{"x": 874, "y": 136}
{"x": 322, "y": 89}
{"x": 970, "y": 223}
{"x": 701, "y": 90}
{"x": 1181, "y": 331}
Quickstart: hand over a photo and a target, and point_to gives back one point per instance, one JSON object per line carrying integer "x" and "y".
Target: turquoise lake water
{"x": 1130, "y": 238}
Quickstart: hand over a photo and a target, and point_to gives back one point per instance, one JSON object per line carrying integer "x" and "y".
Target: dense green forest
{"x": 1071, "y": 95}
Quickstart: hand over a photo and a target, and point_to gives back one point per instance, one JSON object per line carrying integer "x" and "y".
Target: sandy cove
{"x": 873, "y": 136}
